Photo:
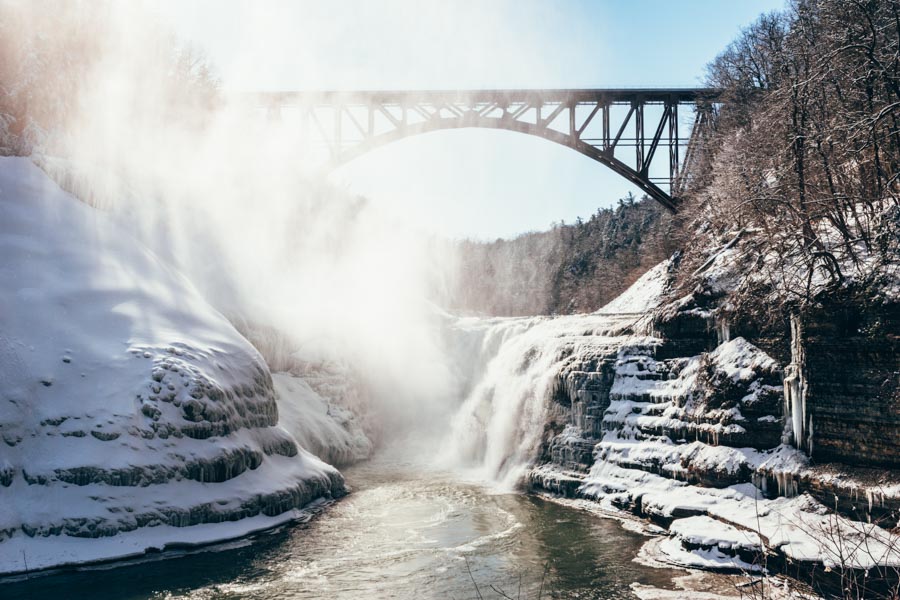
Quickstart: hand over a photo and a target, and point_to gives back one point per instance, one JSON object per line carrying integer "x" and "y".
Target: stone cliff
{"x": 696, "y": 420}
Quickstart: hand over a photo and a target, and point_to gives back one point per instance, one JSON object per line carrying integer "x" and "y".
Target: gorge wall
{"x": 133, "y": 416}
{"x": 680, "y": 422}
{"x": 852, "y": 366}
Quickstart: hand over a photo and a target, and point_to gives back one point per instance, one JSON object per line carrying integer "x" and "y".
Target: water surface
{"x": 404, "y": 532}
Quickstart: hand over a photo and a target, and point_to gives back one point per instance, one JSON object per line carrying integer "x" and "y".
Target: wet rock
{"x": 6, "y": 476}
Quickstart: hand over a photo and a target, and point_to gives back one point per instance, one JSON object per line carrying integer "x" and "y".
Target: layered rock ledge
{"x": 133, "y": 416}
{"x": 687, "y": 426}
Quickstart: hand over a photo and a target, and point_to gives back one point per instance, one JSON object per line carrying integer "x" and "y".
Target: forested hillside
{"x": 803, "y": 165}
{"x": 805, "y": 156}
{"x": 571, "y": 268}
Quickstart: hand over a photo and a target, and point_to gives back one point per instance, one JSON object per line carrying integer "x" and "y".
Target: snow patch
{"x": 643, "y": 295}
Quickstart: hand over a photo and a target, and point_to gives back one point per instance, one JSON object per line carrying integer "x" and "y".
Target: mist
{"x": 231, "y": 200}
{"x": 326, "y": 284}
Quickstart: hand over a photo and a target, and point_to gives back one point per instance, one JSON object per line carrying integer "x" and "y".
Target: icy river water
{"x": 404, "y": 532}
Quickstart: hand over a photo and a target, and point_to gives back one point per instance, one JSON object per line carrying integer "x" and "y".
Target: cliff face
{"x": 702, "y": 431}
{"x": 132, "y": 414}
{"x": 852, "y": 374}
{"x": 703, "y": 419}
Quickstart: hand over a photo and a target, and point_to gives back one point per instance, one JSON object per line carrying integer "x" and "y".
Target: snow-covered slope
{"x": 643, "y": 295}
{"x": 324, "y": 413}
{"x": 132, "y": 414}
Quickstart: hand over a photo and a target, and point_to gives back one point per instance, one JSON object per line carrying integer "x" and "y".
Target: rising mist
{"x": 229, "y": 198}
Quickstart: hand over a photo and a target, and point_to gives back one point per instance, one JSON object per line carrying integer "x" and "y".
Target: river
{"x": 406, "y": 531}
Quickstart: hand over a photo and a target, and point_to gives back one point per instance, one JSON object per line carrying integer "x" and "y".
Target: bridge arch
{"x": 604, "y": 158}
{"x": 351, "y": 123}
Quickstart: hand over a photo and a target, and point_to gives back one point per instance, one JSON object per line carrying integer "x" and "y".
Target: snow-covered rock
{"x": 679, "y": 433}
{"x": 132, "y": 414}
{"x": 707, "y": 543}
{"x": 314, "y": 409}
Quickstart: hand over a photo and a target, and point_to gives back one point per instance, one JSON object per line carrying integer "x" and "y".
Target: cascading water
{"x": 493, "y": 432}
{"x": 513, "y": 367}
{"x": 496, "y": 433}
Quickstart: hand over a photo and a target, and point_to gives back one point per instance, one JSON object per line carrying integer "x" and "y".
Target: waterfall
{"x": 496, "y": 434}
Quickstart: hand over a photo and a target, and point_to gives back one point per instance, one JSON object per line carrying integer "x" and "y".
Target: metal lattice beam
{"x": 351, "y": 123}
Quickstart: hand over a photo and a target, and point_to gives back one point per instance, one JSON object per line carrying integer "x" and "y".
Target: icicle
{"x": 795, "y": 391}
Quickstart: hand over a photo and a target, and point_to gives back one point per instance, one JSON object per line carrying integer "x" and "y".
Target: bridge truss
{"x": 628, "y": 130}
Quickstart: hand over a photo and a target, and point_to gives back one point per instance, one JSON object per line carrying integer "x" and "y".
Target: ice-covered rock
{"x": 317, "y": 409}
{"x": 689, "y": 436}
{"x": 132, "y": 414}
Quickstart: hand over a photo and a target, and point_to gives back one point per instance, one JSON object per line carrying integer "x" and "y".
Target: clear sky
{"x": 467, "y": 183}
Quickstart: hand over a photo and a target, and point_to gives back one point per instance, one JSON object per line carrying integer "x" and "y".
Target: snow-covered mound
{"x": 314, "y": 409}
{"x": 132, "y": 414}
{"x": 644, "y": 294}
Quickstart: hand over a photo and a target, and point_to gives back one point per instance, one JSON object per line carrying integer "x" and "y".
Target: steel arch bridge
{"x": 599, "y": 123}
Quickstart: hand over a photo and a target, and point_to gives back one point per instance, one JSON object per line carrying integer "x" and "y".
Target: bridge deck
{"x": 554, "y": 95}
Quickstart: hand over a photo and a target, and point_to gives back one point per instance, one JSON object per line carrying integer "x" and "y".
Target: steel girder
{"x": 351, "y": 123}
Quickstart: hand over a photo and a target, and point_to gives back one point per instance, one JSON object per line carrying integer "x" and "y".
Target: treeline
{"x": 806, "y": 150}
{"x": 55, "y": 54}
{"x": 571, "y": 268}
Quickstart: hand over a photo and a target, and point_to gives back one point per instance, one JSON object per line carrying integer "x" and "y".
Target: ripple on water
{"x": 403, "y": 533}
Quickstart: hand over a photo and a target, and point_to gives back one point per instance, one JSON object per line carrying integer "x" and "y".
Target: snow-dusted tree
{"x": 53, "y": 52}
{"x": 807, "y": 148}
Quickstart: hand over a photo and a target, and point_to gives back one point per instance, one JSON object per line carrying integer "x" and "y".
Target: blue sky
{"x": 467, "y": 183}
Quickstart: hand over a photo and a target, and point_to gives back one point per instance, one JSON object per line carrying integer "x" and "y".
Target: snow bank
{"x": 800, "y": 527}
{"x": 133, "y": 415}
{"x": 705, "y": 532}
{"x": 314, "y": 409}
{"x": 644, "y": 294}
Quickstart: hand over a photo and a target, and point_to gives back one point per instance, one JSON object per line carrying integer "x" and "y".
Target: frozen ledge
{"x": 23, "y": 555}
{"x": 721, "y": 526}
